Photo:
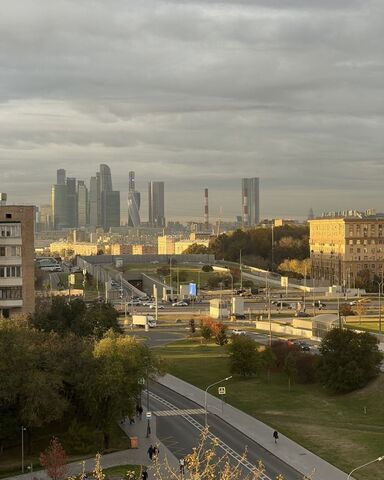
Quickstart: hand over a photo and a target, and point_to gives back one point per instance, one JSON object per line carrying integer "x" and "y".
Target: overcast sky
{"x": 198, "y": 94}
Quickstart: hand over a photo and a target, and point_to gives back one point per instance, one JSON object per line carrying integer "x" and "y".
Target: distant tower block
{"x": 245, "y": 209}
{"x": 206, "y": 210}
{"x": 3, "y": 199}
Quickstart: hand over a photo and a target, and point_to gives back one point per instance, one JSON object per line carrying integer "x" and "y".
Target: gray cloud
{"x": 197, "y": 94}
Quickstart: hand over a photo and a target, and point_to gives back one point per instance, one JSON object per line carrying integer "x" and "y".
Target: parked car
{"x": 238, "y": 316}
{"x": 180, "y": 304}
{"x": 238, "y": 332}
{"x": 302, "y": 315}
{"x": 303, "y": 346}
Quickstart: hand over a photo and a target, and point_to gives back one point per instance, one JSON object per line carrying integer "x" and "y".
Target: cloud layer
{"x": 197, "y": 93}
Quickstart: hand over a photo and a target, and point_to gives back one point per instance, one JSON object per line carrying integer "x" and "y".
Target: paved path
{"x": 137, "y": 456}
{"x": 290, "y": 452}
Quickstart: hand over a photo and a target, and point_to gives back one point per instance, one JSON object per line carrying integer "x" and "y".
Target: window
{"x": 10, "y": 230}
{"x": 10, "y": 272}
{"x": 11, "y": 293}
{"x": 10, "y": 251}
{"x": 8, "y": 215}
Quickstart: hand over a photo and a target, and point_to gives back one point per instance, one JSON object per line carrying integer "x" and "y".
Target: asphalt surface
{"x": 180, "y": 433}
{"x": 157, "y": 337}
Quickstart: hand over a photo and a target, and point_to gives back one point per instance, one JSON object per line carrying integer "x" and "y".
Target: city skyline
{"x": 284, "y": 90}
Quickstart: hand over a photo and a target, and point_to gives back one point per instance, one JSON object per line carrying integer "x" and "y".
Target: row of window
{"x": 11, "y": 293}
{"x": 12, "y": 271}
{"x": 10, "y": 231}
{"x": 10, "y": 251}
{"x": 366, "y": 250}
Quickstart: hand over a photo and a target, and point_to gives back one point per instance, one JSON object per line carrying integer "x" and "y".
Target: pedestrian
{"x": 131, "y": 420}
{"x": 275, "y": 436}
{"x": 182, "y": 467}
{"x": 150, "y": 452}
{"x": 140, "y": 412}
{"x": 156, "y": 452}
{"x": 144, "y": 474}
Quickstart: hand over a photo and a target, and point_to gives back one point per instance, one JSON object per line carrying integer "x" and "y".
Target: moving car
{"x": 238, "y": 332}
{"x": 302, "y": 315}
{"x": 180, "y": 304}
{"x": 159, "y": 307}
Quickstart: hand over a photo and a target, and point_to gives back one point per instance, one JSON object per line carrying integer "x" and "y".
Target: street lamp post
{"x": 380, "y": 284}
{"x": 378, "y": 459}
{"x": 206, "y": 395}
{"x": 23, "y": 429}
{"x": 148, "y": 418}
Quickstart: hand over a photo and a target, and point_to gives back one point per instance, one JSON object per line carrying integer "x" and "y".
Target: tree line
{"x": 68, "y": 361}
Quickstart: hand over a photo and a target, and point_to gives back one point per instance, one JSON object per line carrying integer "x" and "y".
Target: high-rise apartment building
{"x": 109, "y": 199}
{"x": 94, "y": 201}
{"x": 342, "y": 246}
{"x": 71, "y": 202}
{"x": 82, "y": 204}
{"x": 133, "y": 202}
{"x": 156, "y": 208}
{"x": 59, "y": 206}
{"x": 60, "y": 176}
{"x": 251, "y": 201}
{"x": 17, "y": 270}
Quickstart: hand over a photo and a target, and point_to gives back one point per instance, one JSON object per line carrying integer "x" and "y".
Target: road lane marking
{"x": 190, "y": 411}
{"x": 226, "y": 448}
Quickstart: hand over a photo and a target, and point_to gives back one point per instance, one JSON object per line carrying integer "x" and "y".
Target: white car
{"x": 153, "y": 306}
{"x": 180, "y": 304}
{"x": 238, "y": 332}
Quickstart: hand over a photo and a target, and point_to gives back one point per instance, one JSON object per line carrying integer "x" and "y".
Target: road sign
{"x": 221, "y": 390}
{"x": 148, "y": 415}
{"x": 142, "y": 381}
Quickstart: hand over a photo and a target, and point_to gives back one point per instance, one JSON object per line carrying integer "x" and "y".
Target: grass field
{"x": 121, "y": 470}
{"x": 334, "y": 427}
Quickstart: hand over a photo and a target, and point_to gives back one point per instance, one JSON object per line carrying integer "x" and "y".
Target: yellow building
{"x": 85, "y": 248}
{"x": 342, "y": 247}
{"x": 144, "y": 249}
{"x": 165, "y": 245}
{"x": 120, "y": 249}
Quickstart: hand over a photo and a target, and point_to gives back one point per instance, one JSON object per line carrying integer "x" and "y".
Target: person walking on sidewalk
{"x": 182, "y": 467}
{"x": 144, "y": 474}
{"x": 150, "y": 452}
{"x": 156, "y": 452}
{"x": 275, "y": 436}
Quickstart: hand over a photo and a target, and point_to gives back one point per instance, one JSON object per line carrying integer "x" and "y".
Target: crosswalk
{"x": 174, "y": 412}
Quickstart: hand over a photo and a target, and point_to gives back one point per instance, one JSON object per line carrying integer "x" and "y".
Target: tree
{"x": 54, "y": 460}
{"x": 290, "y": 368}
{"x": 346, "y": 310}
{"x": 220, "y": 334}
{"x": 119, "y": 364}
{"x": 243, "y": 355}
{"x": 349, "y": 360}
{"x": 195, "y": 249}
{"x": 360, "y": 310}
{"x": 63, "y": 316}
{"x": 206, "y": 332}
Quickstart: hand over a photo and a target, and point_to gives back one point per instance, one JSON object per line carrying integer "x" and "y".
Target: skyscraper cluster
{"x": 75, "y": 205}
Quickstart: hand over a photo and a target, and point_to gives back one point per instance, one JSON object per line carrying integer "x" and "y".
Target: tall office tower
{"x": 156, "y": 210}
{"x": 206, "y": 214}
{"x": 109, "y": 200}
{"x": 59, "y": 206}
{"x": 251, "y": 201}
{"x": 3, "y": 199}
{"x": 61, "y": 176}
{"x": 45, "y": 218}
{"x": 133, "y": 202}
{"x": 17, "y": 269}
{"x": 71, "y": 202}
{"x": 82, "y": 204}
{"x": 94, "y": 201}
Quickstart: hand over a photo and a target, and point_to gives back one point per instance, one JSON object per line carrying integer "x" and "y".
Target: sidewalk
{"x": 137, "y": 456}
{"x": 287, "y": 450}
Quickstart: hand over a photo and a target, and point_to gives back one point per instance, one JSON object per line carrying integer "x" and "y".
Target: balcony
{"x": 11, "y": 304}
{"x": 11, "y": 282}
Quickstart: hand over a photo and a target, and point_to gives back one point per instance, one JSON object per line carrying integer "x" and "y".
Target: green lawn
{"x": 334, "y": 427}
{"x": 121, "y": 470}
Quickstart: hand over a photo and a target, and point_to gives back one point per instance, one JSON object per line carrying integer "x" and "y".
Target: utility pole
{"x": 241, "y": 271}
{"x": 272, "y": 246}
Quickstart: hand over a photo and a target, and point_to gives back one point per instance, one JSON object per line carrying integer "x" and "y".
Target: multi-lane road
{"x": 180, "y": 422}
